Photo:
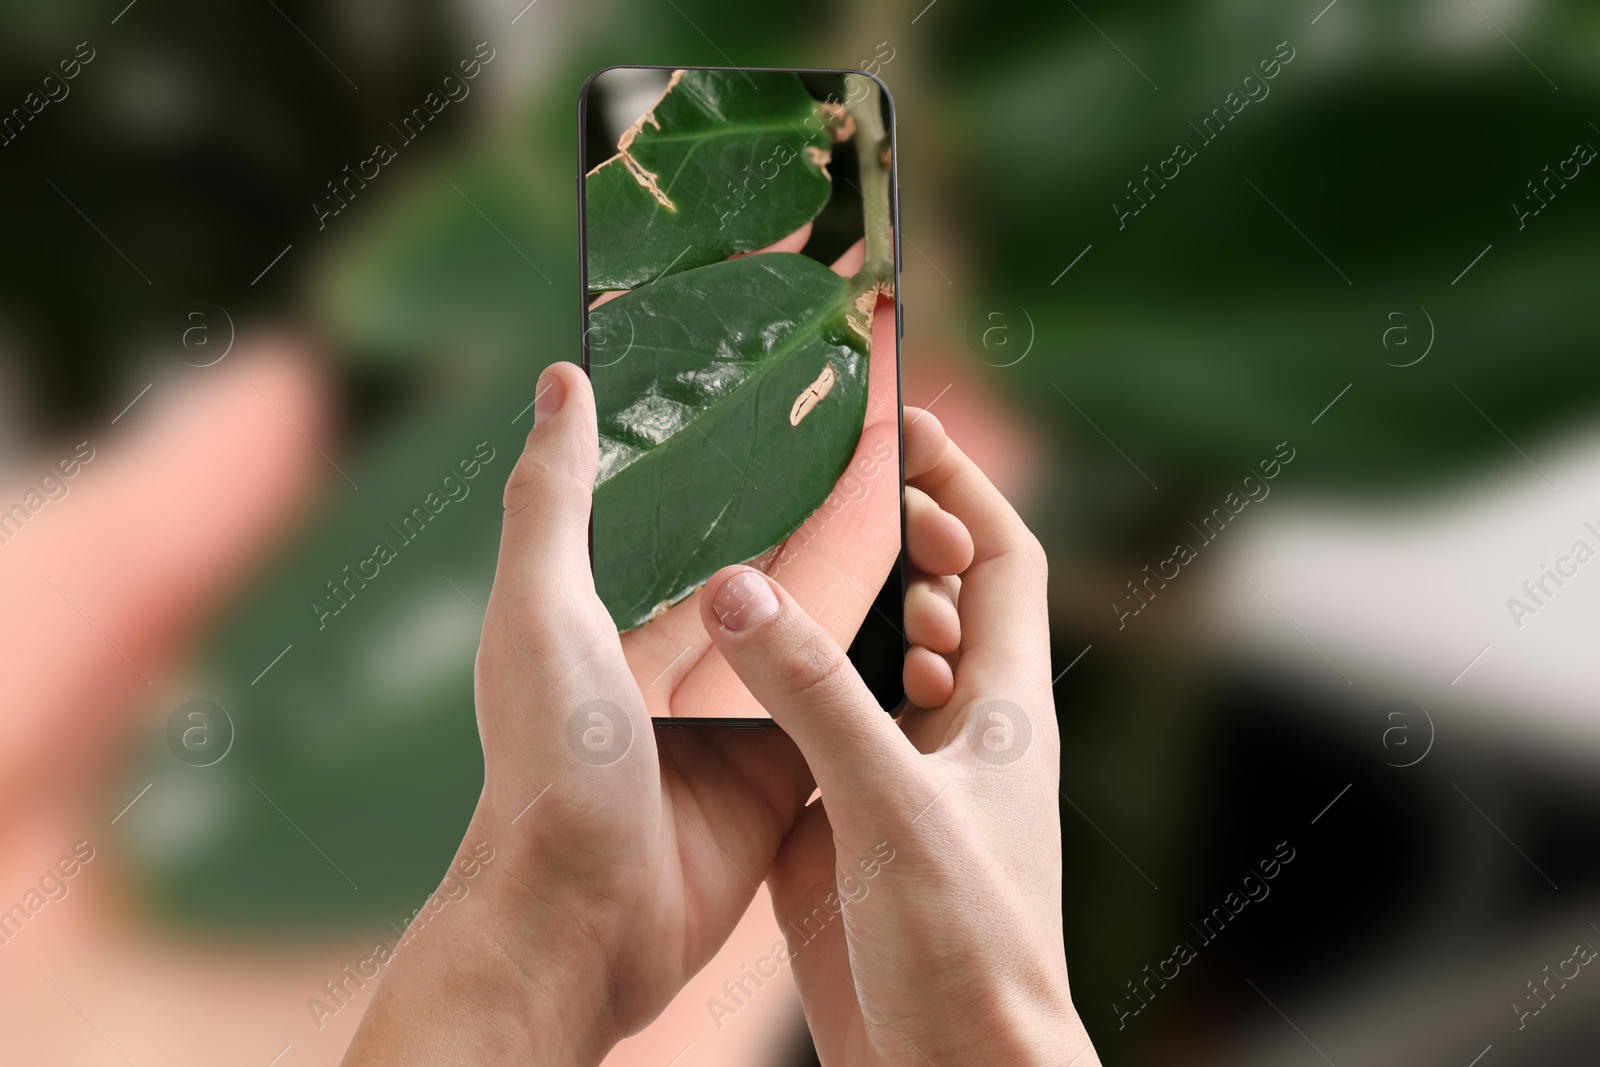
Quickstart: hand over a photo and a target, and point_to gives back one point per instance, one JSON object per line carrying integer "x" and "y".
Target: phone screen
{"x": 740, "y": 264}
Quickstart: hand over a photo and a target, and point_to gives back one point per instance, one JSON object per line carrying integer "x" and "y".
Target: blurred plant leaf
{"x": 462, "y": 260}
{"x": 733, "y": 409}
{"x": 689, "y": 184}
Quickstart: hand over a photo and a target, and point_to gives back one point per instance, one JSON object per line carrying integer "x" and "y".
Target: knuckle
{"x": 536, "y": 481}
{"x": 1017, "y": 545}
{"x": 1034, "y": 556}
{"x": 521, "y": 629}
{"x": 524, "y": 482}
{"x": 582, "y": 635}
{"x": 810, "y": 665}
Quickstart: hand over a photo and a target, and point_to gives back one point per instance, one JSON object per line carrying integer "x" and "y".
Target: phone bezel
{"x": 894, "y": 222}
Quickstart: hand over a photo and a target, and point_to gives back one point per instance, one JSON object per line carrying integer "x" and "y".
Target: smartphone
{"x": 739, "y": 247}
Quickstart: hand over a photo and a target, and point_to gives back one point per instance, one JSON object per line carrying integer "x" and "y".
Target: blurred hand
{"x": 106, "y": 589}
{"x": 620, "y": 867}
{"x": 106, "y": 586}
{"x": 921, "y": 897}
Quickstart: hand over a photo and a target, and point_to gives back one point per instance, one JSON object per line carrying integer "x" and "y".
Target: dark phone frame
{"x": 899, "y": 333}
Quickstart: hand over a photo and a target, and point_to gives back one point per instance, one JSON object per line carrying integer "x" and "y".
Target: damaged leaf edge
{"x": 648, "y": 179}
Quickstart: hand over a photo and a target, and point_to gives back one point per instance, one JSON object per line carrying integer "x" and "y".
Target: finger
{"x": 109, "y": 579}
{"x": 804, "y": 868}
{"x": 663, "y": 651}
{"x": 1004, "y": 635}
{"x": 794, "y": 242}
{"x": 929, "y": 681}
{"x": 801, "y": 676}
{"x": 805, "y": 898}
{"x": 935, "y": 539}
{"x": 544, "y": 599}
{"x": 931, "y": 617}
{"x": 925, "y": 440}
{"x": 547, "y": 497}
{"x": 852, "y": 259}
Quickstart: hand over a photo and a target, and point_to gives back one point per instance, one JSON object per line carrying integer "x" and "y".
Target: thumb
{"x": 543, "y": 600}
{"x": 140, "y": 543}
{"x": 550, "y": 659}
{"x": 806, "y": 682}
{"x": 544, "y": 542}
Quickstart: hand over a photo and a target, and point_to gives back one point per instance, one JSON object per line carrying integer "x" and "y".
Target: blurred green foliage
{"x": 1196, "y": 336}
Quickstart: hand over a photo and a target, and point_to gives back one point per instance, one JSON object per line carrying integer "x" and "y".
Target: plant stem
{"x": 865, "y": 103}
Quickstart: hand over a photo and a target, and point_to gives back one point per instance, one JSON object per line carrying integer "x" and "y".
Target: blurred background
{"x": 1341, "y": 349}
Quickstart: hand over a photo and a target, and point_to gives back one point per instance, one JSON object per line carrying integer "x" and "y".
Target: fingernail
{"x": 744, "y": 601}
{"x": 548, "y": 400}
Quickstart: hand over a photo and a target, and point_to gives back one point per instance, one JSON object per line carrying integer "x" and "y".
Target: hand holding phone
{"x": 939, "y": 834}
{"x": 612, "y": 840}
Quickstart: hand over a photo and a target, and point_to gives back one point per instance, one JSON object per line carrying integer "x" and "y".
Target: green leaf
{"x": 708, "y": 455}
{"x": 461, "y": 267}
{"x": 716, "y": 167}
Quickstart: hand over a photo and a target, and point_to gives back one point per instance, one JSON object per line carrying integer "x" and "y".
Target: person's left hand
{"x": 620, "y": 866}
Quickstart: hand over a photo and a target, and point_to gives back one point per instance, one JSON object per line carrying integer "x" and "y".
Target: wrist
{"x": 1031, "y": 1024}
{"x": 1059, "y": 1038}
{"x": 481, "y": 975}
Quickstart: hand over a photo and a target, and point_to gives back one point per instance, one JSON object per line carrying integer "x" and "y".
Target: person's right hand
{"x": 921, "y": 897}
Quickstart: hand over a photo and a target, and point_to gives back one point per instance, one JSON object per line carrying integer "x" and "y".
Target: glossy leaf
{"x": 733, "y": 405}
{"x": 716, "y": 167}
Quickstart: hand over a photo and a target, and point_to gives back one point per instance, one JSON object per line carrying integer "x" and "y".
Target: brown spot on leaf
{"x": 812, "y": 395}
